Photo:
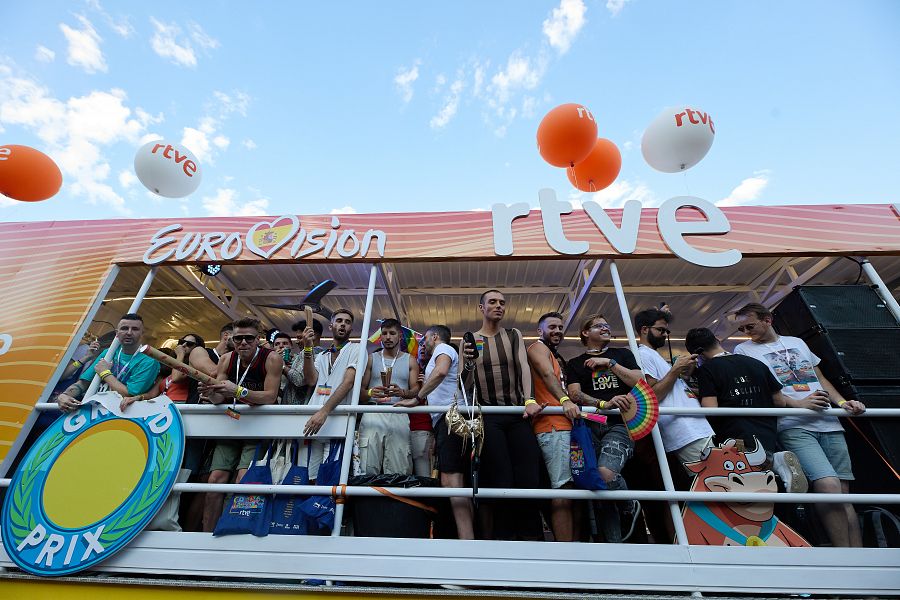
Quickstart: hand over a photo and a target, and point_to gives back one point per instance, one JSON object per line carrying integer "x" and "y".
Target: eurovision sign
{"x": 91, "y": 483}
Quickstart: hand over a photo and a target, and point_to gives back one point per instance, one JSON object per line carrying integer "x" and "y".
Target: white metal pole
{"x": 677, "y": 521}
{"x": 882, "y": 289}
{"x": 145, "y": 287}
{"x": 354, "y": 399}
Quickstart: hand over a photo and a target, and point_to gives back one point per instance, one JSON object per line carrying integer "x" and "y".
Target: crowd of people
{"x": 494, "y": 366}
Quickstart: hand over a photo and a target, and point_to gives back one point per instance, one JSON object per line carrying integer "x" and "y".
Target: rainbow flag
{"x": 409, "y": 343}
{"x": 644, "y": 411}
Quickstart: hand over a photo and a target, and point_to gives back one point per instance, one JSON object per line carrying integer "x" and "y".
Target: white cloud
{"x": 451, "y": 104}
{"x": 225, "y": 204}
{"x": 249, "y": 144}
{"x": 405, "y": 79}
{"x": 520, "y": 73}
{"x": 127, "y": 178}
{"x": 748, "y": 190}
{"x": 347, "y": 210}
{"x": 44, "y": 54}
{"x": 564, "y": 24}
{"x": 206, "y": 140}
{"x": 168, "y": 42}
{"x": 622, "y": 191}
{"x": 121, "y": 26}
{"x": 84, "y": 46}
{"x": 615, "y": 6}
{"x": 76, "y": 132}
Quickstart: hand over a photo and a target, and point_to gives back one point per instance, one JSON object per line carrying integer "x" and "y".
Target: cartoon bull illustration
{"x": 727, "y": 469}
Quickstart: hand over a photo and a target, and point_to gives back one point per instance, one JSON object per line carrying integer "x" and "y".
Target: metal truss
{"x": 394, "y": 293}
{"x": 579, "y": 288}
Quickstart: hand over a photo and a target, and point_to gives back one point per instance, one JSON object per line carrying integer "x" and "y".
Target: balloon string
{"x": 686, "y": 186}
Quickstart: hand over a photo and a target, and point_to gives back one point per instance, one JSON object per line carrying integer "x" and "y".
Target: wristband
{"x": 104, "y": 374}
{"x": 841, "y": 402}
{"x": 241, "y": 392}
{"x": 308, "y": 349}
{"x": 76, "y": 363}
{"x": 601, "y": 404}
{"x": 369, "y": 392}
{"x": 530, "y": 401}
{"x": 564, "y": 399}
{"x": 141, "y": 397}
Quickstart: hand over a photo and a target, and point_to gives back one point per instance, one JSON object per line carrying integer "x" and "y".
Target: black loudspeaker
{"x": 849, "y": 328}
{"x": 832, "y": 307}
{"x": 874, "y": 443}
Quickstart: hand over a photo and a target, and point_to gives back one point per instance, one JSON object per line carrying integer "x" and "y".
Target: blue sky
{"x": 379, "y": 107}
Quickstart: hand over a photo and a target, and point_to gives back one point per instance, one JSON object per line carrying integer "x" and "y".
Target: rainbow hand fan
{"x": 643, "y": 413}
{"x": 409, "y": 343}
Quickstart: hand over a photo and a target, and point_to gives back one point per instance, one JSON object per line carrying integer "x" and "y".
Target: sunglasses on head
{"x": 243, "y": 338}
{"x": 184, "y": 342}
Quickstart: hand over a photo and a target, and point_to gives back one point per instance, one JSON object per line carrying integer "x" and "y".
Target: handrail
{"x": 306, "y": 409}
{"x": 534, "y": 494}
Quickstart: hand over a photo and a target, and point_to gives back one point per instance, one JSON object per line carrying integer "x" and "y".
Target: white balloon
{"x": 170, "y": 170}
{"x": 678, "y": 139}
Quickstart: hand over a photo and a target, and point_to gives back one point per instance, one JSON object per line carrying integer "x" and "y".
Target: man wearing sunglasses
{"x": 818, "y": 441}
{"x": 248, "y": 375}
{"x": 683, "y": 436}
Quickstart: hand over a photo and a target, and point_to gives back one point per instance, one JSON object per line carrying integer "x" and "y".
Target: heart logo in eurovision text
{"x": 267, "y": 237}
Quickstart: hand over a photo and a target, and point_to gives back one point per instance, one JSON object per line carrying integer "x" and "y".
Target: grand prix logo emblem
{"x": 91, "y": 483}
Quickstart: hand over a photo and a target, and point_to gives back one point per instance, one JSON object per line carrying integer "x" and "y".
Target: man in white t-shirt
{"x": 684, "y": 436}
{"x": 440, "y": 389}
{"x": 332, "y": 372}
{"x": 818, "y": 441}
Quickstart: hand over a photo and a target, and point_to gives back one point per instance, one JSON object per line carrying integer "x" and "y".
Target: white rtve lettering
{"x": 624, "y": 238}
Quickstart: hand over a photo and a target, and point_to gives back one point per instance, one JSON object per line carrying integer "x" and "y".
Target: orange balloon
{"x": 566, "y": 135}
{"x": 599, "y": 169}
{"x": 27, "y": 174}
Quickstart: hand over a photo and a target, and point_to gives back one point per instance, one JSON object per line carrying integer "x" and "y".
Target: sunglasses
{"x": 601, "y": 327}
{"x": 244, "y": 338}
{"x": 184, "y": 342}
{"x": 748, "y": 327}
{"x": 662, "y": 330}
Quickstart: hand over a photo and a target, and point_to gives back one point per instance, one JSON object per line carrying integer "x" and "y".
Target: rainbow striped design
{"x": 409, "y": 343}
{"x": 479, "y": 345}
{"x": 644, "y": 413}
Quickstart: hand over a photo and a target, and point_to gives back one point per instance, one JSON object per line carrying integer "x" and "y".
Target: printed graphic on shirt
{"x": 791, "y": 368}
{"x": 604, "y": 380}
{"x": 743, "y": 391}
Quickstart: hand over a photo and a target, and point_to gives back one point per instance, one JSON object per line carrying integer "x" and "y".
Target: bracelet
{"x": 76, "y": 363}
{"x": 141, "y": 397}
{"x": 601, "y": 404}
{"x": 564, "y": 399}
{"x": 308, "y": 349}
{"x": 104, "y": 374}
{"x": 841, "y": 402}
{"x": 530, "y": 401}
{"x": 238, "y": 391}
{"x": 369, "y": 392}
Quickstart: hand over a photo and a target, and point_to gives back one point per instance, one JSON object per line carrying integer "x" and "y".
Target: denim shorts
{"x": 612, "y": 444}
{"x": 555, "y": 448}
{"x": 821, "y": 454}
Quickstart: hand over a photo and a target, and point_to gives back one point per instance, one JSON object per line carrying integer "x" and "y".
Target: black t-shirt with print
{"x": 600, "y": 383}
{"x": 739, "y": 381}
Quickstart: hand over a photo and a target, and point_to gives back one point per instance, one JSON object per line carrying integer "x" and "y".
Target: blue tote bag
{"x": 287, "y": 518}
{"x": 583, "y": 459}
{"x": 249, "y": 513}
{"x": 320, "y": 509}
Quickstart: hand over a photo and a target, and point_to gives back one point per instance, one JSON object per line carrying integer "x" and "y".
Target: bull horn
{"x": 758, "y": 456}
{"x": 704, "y": 454}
